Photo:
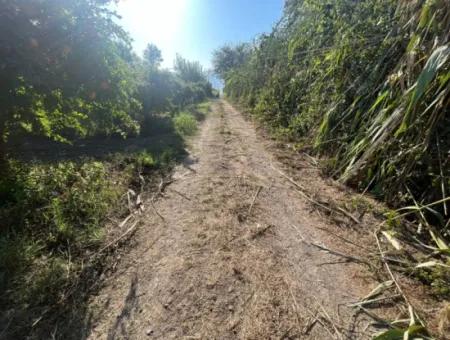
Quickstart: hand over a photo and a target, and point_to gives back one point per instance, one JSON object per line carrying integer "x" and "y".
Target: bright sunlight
{"x": 155, "y": 21}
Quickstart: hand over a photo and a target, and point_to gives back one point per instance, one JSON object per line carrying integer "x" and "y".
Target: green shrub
{"x": 204, "y": 107}
{"x": 145, "y": 159}
{"x": 185, "y": 124}
{"x": 437, "y": 277}
{"x": 52, "y": 216}
{"x": 71, "y": 200}
{"x": 377, "y": 109}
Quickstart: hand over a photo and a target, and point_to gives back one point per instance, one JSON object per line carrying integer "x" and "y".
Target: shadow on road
{"x": 131, "y": 302}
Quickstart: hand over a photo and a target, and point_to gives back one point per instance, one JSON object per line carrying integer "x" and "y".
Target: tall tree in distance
{"x": 153, "y": 56}
{"x": 189, "y": 71}
{"x": 228, "y": 58}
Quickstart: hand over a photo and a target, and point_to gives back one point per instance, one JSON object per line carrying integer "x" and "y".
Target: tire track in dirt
{"x": 212, "y": 270}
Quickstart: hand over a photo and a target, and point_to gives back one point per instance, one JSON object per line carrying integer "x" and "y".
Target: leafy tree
{"x": 189, "y": 71}
{"x": 163, "y": 91}
{"x": 158, "y": 90}
{"x": 153, "y": 56}
{"x": 230, "y": 57}
{"x": 65, "y": 70}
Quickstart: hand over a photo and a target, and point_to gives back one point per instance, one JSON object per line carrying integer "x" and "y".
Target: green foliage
{"x": 153, "y": 56}
{"x": 166, "y": 91}
{"x": 204, "y": 108}
{"x": 145, "y": 159}
{"x": 50, "y": 209}
{"x": 189, "y": 71}
{"x": 66, "y": 201}
{"x": 437, "y": 277}
{"x": 65, "y": 70}
{"x": 68, "y": 72}
{"x": 399, "y": 334}
{"x": 185, "y": 124}
{"x": 367, "y": 83}
{"x": 53, "y": 218}
{"x": 229, "y": 57}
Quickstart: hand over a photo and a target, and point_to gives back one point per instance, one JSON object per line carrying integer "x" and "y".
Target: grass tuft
{"x": 185, "y": 124}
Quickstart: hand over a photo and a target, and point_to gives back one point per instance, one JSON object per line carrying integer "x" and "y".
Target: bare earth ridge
{"x": 225, "y": 254}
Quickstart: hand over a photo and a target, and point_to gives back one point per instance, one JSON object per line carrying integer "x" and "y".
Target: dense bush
{"x": 53, "y": 220}
{"x": 363, "y": 83}
{"x": 51, "y": 210}
{"x": 185, "y": 124}
{"x": 68, "y": 71}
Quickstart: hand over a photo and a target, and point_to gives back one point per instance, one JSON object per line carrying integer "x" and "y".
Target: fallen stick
{"x": 298, "y": 185}
{"x": 335, "y": 262}
{"x": 327, "y": 316}
{"x": 162, "y": 185}
{"x": 367, "y": 302}
{"x": 161, "y": 188}
{"x": 129, "y": 230}
{"x": 344, "y": 239}
{"x": 394, "y": 278}
{"x": 378, "y": 290}
{"x": 296, "y": 307}
{"x": 180, "y": 194}
{"x": 319, "y": 320}
{"x": 121, "y": 224}
{"x": 350, "y": 216}
{"x": 334, "y": 252}
{"x": 260, "y": 231}
{"x": 40, "y": 317}
{"x": 357, "y": 259}
{"x": 156, "y": 211}
{"x": 313, "y": 160}
{"x": 309, "y": 326}
{"x": 129, "y": 201}
{"x": 254, "y": 199}
{"x": 339, "y": 211}
{"x": 375, "y": 317}
{"x": 302, "y": 192}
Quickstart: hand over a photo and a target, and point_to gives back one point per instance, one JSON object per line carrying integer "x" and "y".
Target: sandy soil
{"x": 228, "y": 257}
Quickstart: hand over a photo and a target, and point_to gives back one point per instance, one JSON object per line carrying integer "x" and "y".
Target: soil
{"x": 230, "y": 251}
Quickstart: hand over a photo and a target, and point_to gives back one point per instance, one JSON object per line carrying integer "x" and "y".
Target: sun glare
{"x": 156, "y": 21}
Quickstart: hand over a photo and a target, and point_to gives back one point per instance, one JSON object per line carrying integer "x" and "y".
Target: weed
{"x": 437, "y": 277}
{"x": 53, "y": 218}
{"x": 185, "y": 124}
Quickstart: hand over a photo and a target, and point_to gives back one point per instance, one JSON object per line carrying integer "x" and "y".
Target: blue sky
{"x": 195, "y": 28}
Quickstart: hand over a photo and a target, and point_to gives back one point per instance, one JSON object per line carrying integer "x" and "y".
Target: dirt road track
{"x": 218, "y": 267}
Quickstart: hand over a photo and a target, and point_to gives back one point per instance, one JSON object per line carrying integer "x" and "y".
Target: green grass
{"x": 53, "y": 217}
{"x": 52, "y": 210}
{"x": 53, "y": 220}
{"x": 204, "y": 107}
{"x": 185, "y": 124}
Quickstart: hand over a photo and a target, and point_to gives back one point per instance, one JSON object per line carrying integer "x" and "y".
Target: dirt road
{"x": 228, "y": 257}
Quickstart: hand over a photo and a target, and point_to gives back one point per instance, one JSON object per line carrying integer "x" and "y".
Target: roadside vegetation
{"x": 364, "y": 85}
{"x": 84, "y": 124}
